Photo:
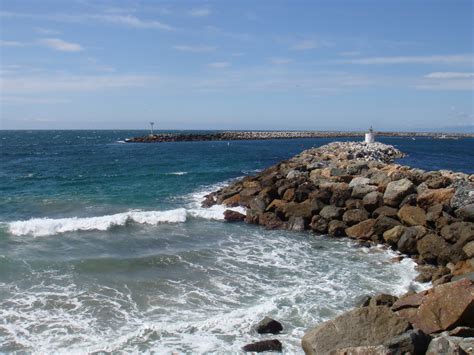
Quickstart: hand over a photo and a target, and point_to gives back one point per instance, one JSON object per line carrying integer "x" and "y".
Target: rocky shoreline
{"x": 264, "y": 135}
{"x": 355, "y": 190}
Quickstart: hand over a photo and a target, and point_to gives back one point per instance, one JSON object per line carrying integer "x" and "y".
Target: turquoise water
{"x": 104, "y": 246}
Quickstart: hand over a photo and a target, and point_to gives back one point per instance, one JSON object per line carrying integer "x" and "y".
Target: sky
{"x": 249, "y": 64}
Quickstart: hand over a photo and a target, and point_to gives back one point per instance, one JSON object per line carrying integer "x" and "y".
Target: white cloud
{"x": 11, "y": 43}
{"x": 220, "y": 65}
{"x": 449, "y": 75}
{"x": 200, "y": 12}
{"x": 433, "y": 59}
{"x": 63, "y": 83}
{"x": 194, "y": 49}
{"x": 279, "y": 60}
{"x": 304, "y": 45}
{"x": 133, "y": 21}
{"x": 60, "y": 45}
{"x": 46, "y": 31}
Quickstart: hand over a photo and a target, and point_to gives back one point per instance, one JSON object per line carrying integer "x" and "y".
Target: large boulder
{"x": 383, "y": 224}
{"x": 372, "y": 200}
{"x": 445, "y": 307}
{"x": 363, "y": 230}
{"x": 393, "y": 235}
{"x": 337, "y": 228}
{"x": 407, "y": 242}
{"x": 412, "y": 215}
{"x": 466, "y": 212}
{"x": 397, "y": 190}
{"x": 367, "y": 326}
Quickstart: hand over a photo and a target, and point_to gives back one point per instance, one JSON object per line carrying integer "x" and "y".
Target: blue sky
{"x": 322, "y": 65}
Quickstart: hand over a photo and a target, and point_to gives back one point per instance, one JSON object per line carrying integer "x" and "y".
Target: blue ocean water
{"x": 104, "y": 245}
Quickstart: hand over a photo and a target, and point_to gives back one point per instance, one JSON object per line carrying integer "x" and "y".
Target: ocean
{"x": 104, "y": 246}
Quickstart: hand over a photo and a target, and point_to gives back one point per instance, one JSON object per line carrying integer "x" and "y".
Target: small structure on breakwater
{"x": 370, "y": 136}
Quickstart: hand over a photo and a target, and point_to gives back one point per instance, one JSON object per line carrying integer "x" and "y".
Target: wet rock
{"x": 270, "y": 221}
{"x": 319, "y": 224}
{"x": 268, "y": 325}
{"x": 337, "y": 228}
{"x": 397, "y": 190}
{"x": 367, "y": 326}
{"x": 412, "y": 215}
{"x": 296, "y": 224}
{"x": 393, "y": 235}
{"x": 264, "y": 345}
{"x": 355, "y": 216}
{"x": 363, "y": 230}
{"x": 233, "y": 216}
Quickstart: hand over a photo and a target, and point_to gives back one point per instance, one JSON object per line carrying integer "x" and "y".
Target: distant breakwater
{"x": 264, "y": 135}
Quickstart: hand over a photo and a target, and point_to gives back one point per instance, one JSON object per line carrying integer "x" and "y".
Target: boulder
{"x": 305, "y": 209}
{"x": 355, "y": 216}
{"x": 258, "y": 204}
{"x": 296, "y": 224}
{"x": 430, "y": 247}
{"x": 233, "y": 216}
{"x": 359, "y": 180}
{"x": 397, "y": 190}
{"x": 385, "y": 211}
{"x": 413, "y": 342}
{"x": 412, "y": 215}
{"x": 331, "y": 212}
{"x": 359, "y": 191}
{"x": 464, "y": 194}
{"x": 367, "y": 326}
{"x": 289, "y": 194}
{"x": 268, "y": 325}
{"x": 264, "y": 345}
{"x": 431, "y": 197}
{"x": 445, "y": 307}
{"x": 466, "y": 212}
{"x": 337, "y": 228}
{"x": 450, "y": 345}
{"x": 372, "y": 200}
{"x": 362, "y": 230}
{"x": 319, "y": 224}
{"x": 407, "y": 242}
{"x": 232, "y": 201}
{"x": 393, "y": 235}
{"x": 270, "y": 221}
{"x": 458, "y": 231}
{"x": 463, "y": 267}
{"x": 383, "y": 224}
{"x": 468, "y": 249}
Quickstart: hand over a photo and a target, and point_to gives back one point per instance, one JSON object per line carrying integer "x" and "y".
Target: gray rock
{"x": 464, "y": 194}
{"x": 352, "y": 217}
{"x": 296, "y": 224}
{"x": 331, "y": 212}
{"x": 397, "y": 190}
{"x": 413, "y": 342}
{"x": 449, "y": 345}
{"x": 359, "y": 191}
{"x": 372, "y": 200}
{"x": 359, "y": 327}
{"x": 359, "y": 181}
{"x": 466, "y": 212}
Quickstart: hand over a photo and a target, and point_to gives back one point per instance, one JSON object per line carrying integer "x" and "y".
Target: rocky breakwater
{"x": 356, "y": 190}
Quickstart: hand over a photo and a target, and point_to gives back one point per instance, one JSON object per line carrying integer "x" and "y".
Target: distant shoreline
{"x": 265, "y": 135}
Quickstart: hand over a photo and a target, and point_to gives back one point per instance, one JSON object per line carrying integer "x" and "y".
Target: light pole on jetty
{"x": 152, "y": 124}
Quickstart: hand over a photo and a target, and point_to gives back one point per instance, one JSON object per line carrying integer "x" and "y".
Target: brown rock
{"x": 430, "y": 247}
{"x": 412, "y": 215}
{"x": 393, "y": 235}
{"x": 385, "y": 211}
{"x": 355, "y": 216}
{"x": 233, "y": 216}
{"x": 232, "y": 201}
{"x": 354, "y": 204}
{"x": 430, "y": 197}
{"x": 463, "y": 267}
{"x": 337, "y": 228}
{"x": 409, "y": 301}
{"x": 360, "y": 327}
{"x": 276, "y": 203}
{"x": 362, "y": 230}
{"x": 270, "y": 221}
{"x": 446, "y": 307}
{"x": 468, "y": 249}
{"x": 319, "y": 224}
{"x": 289, "y": 194}
{"x": 383, "y": 224}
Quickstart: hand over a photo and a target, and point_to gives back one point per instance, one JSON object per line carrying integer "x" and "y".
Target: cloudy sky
{"x": 396, "y": 65}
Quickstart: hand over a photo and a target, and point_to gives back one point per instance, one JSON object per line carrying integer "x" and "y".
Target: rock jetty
{"x": 355, "y": 190}
{"x": 263, "y": 135}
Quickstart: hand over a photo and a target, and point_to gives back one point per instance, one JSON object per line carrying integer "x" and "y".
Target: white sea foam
{"x": 40, "y": 227}
{"x": 179, "y": 173}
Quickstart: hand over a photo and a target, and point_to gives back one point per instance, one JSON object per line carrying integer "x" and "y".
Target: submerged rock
{"x": 269, "y": 325}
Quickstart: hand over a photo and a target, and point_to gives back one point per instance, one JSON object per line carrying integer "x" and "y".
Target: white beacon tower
{"x": 370, "y": 136}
